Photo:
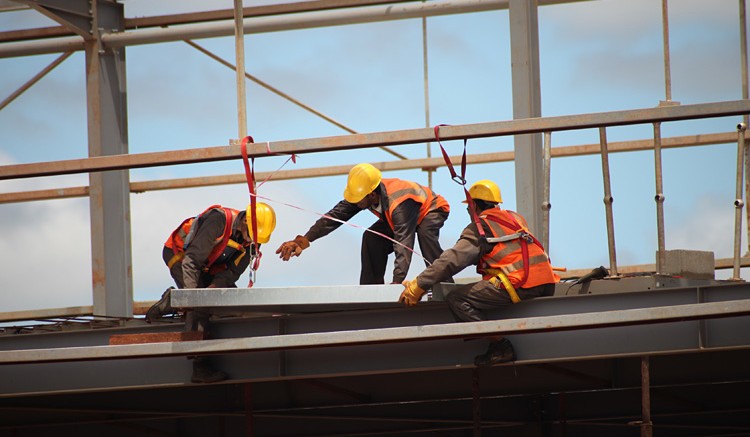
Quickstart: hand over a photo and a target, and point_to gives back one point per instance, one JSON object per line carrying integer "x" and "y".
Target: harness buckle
{"x": 525, "y": 236}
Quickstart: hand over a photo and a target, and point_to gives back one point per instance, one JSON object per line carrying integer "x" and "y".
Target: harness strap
{"x": 177, "y": 257}
{"x": 501, "y": 279}
{"x": 525, "y": 238}
{"x": 461, "y": 180}
{"x": 250, "y": 176}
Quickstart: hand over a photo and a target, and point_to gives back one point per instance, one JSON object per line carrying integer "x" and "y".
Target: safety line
{"x": 250, "y": 175}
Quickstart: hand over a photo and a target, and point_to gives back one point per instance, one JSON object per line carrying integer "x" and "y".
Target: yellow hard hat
{"x": 363, "y": 179}
{"x": 266, "y": 221}
{"x": 486, "y": 190}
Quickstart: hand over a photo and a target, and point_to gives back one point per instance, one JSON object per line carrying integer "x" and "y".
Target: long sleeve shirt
{"x": 210, "y": 228}
{"x": 404, "y": 218}
{"x": 466, "y": 252}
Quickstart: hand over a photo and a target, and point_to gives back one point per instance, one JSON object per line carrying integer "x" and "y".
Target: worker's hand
{"x": 412, "y": 293}
{"x": 292, "y": 248}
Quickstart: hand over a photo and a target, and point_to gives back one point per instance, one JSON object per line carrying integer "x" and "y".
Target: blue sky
{"x": 602, "y": 55}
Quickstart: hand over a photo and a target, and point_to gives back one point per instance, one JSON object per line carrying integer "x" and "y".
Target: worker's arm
{"x": 342, "y": 211}
{"x": 464, "y": 253}
{"x": 210, "y": 227}
{"x": 404, "y": 219}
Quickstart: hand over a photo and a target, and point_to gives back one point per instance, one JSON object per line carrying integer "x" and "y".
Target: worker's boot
{"x": 498, "y": 352}
{"x": 203, "y": 373}
{"x": 160, "y": 308}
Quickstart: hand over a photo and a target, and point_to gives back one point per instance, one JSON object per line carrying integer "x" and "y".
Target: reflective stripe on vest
{"x": 399, "y": 190}
{"x": 176, "y": 240}
{"x": 508, "y": 257}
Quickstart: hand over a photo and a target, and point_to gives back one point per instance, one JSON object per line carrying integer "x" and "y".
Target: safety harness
{"x": 180, "y": 239}
{"x": 500, "y": 278}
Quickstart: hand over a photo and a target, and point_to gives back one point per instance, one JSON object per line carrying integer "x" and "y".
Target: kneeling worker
{"x": 513, "y": 265}
{"x": 211, "y": 250}
{"x": 404, "y": 209}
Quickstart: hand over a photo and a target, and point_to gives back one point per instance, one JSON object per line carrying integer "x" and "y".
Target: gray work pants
{"x": 375, "y": 249}
{"x": 467, "y": 302}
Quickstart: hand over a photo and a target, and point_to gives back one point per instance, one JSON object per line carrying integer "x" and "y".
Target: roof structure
{"x": 654, "y": 349}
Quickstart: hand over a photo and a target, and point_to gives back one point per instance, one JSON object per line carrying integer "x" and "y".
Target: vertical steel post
{"x": 546, "y": 204}
{"x": 608, "y": 200}
{"x": 476, "y": 407}
{"x": 746, "y": 117}
{"x": 667, "y": 66}
{"x": 527, "y": 103}
{"x": 109, "y": 191}
{"x": 738, "y": 202}
{"x": 659, "y": 198}
{"x": 426, "y": 95}
{"x": 239, "y": 49}
{"x": 646, "y": 425}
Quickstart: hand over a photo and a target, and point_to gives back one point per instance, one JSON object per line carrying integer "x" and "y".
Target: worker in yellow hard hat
{"x": 212, "y": 250}
{"x": 405, "y": 211}
{"x": 513, "y": 264}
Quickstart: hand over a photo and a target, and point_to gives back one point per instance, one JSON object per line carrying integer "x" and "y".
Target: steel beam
{"x": 291, "y": 299}
{"x": 527, "y": 103}
{"x": 389, "y": 138}
{"x": 364, "y": 344}
{"x": 476, "y": 158}
{"x": 262, "y": 24}
{"x": 109, "y": 192}
{"x": 679, "y": 313}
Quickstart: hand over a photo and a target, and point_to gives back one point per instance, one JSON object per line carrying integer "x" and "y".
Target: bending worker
{"x": 212, "y": 250}
{"x": 513, "y": 265}
{"x": 403, "y": 209}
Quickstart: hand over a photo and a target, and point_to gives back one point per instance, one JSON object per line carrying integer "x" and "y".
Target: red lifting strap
{"x": 461, "y": 180}
{"x": 250, "y": 175}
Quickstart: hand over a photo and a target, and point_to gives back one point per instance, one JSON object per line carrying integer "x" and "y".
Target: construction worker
{"x": 212, "y": 250}
{"x": 513, "y": 265}
{"x": 403, "y": 209}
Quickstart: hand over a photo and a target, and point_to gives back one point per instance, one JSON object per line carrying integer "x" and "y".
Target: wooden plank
{"x": 155, "y": 337}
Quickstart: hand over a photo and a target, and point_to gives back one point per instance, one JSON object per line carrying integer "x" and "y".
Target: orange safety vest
{"x": 176, "y": 240}
{"x": 399, "y": 190}
{"x": 522, "y": 259}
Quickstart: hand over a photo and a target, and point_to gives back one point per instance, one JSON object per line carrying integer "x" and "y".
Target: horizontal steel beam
{"x": 306, "y": 16}
{"x": 215, "y": 15}
{"x": 422, "y": 163}
{"x": 291, "y": 299}
{"x": 389, "y": 138}
{"x": 387, "y": 335}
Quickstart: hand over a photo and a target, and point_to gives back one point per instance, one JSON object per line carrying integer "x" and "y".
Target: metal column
{"x": 527, "y": 103}
{"x": 111, "y": 259}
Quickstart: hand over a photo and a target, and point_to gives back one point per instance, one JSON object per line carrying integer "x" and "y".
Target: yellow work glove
{"x": 292, "y": 248}
{"x": 412, "y": 293}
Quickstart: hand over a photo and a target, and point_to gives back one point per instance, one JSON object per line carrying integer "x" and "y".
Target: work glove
{"x": 292, "y": 248}
{"x": 412, "y": 293}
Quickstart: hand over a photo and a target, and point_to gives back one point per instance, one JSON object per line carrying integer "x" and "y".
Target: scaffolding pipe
{"x": 546, "y": 204}
{"x": 659, "y": 198}
{"x": 360, "y": 141}
{"x": 425, "y": 69}
{"x": 239, "y": 51}
{"x": 608, "y": 200}
{"x": 745, "y": 118}
{"x": 738, "y": 202}
{"x": 34, "y": 79}
{"x": 667, "y": 66}
{"x": 409, "y": 164}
